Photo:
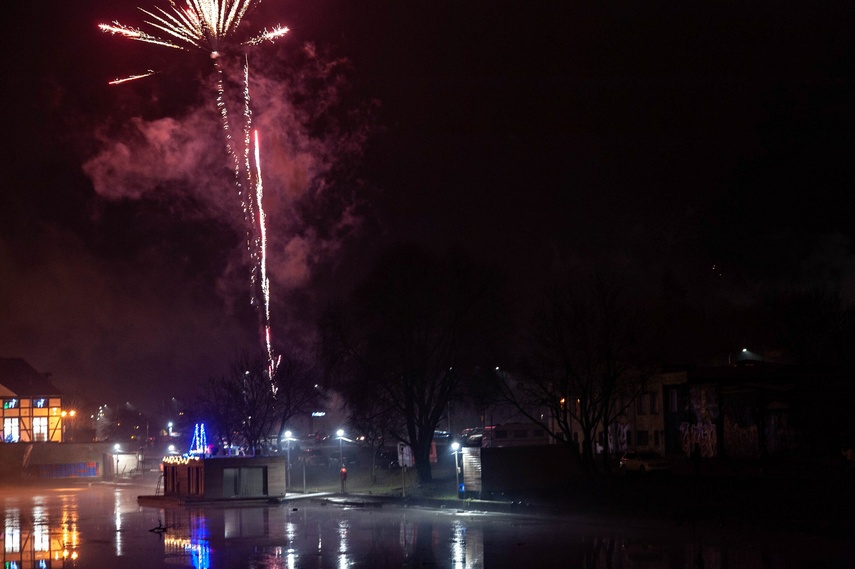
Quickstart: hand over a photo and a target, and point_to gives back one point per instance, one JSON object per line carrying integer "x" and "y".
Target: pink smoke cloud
{"x": 311, "y": 202}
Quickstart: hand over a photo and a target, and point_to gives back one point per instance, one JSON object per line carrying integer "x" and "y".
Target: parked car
{"x": 643, "y": 461}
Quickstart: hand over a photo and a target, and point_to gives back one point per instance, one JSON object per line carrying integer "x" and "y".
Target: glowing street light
{"x": 455, "y": 446}
{"x": 117, "y": 447}
{"x": 288, "y": 440}
{"x": 69, "y": 415}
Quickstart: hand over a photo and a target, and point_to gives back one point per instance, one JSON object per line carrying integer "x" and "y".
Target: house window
{"x": 11, "y": 430}
{"x": 12, "y": 533}
{"x": 641, "y": 438}
{"x": 639, "y": 405}
{"x": 654, "y": 404}
{"x": 40, "y": 429}
{"x": 10, "y": 404}
{"x": 41, "y": 537}
{"x": 39, "y": 403}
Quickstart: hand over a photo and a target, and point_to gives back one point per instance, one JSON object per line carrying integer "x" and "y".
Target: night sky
{"x": 705, "y": 152}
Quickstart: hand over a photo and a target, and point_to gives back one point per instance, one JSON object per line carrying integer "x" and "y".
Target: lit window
{"x": 40, "y": 428}
{"x": 12, "y": 534}
{"x": 40, "y": 403}
{"x": 11, "y": 430}
{"x": 10, "y": 404}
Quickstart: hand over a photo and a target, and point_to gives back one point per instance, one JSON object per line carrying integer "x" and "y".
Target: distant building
{"x": 743, "y": 410}
{"x": 220, "y": 478}
{"x": 32, "y": 406}
{"x": 641, "y": 425}
{"x": 514, "y": 435}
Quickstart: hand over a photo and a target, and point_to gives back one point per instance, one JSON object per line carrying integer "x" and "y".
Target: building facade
{"x": 217, "y": 478}
{"x": 32, "y": 406}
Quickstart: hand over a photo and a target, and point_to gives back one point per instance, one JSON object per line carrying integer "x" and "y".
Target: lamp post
{"x": 343, "y": 471}
{"x": 340, "y": 434}
{"x": 117, "y": 448}
{"x": 67, "y": 416}
{"x": 288, "y": 454}
{"x": 455, "y": 446}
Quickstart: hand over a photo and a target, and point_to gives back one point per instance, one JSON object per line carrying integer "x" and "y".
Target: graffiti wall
{"x": 741, "y": 433}
{"x": 741, "y": 441}
{"x": 703, "y": 434}
{"x": 780, "y": 435}
{"x": 702, "y": 428}
{"x": 618, "y": 437}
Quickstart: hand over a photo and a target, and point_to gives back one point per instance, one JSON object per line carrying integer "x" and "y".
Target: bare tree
{"x": 215, "y": 406}
{"x": 374, "y": 419}
{"x": 297, "y": 392}
{"x": 581, "y": 365}
{"x": 412, "y": 330}
{"x": 250, "y": 410}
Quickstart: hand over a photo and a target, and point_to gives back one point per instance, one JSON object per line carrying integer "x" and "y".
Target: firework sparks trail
{"x": 262, "y": 251}
{"x": 148, "y": 73}
{"x": 208, "y": 25}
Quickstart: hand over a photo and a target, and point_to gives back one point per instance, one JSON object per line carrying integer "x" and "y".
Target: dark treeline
{"x": 424, "y": 332}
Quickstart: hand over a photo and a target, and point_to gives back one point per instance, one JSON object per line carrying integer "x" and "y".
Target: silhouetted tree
{"x": 581, "y": 364}
{"x": 241, "y": 403}
{"x": 409, "y": 333}
{"x": 374, "y": 419}
{"x": 215, "y": 407}
{"x": 297, "y": 392}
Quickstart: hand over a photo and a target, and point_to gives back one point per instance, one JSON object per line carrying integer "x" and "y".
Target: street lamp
{"x": 340, "y": 434}
{"x": 455, "y": 446}
{"x": 117, "y": 448}
{"x": 66, "y": 425}
{"x": 288, "y": 454}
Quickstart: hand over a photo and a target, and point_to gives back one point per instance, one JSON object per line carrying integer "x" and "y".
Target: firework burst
{"x": 200, "y": 24}
{"x": 211, "y": 25}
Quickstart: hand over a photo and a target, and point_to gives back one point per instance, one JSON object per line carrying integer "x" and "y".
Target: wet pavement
{"x": 103, "y": 525}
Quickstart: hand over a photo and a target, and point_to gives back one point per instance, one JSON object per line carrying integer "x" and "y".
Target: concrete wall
{"x": 521, "y": 469}
{"x": 226, "y": 477}
{"x": 20, "y": 460}
{"x": 274, "y": 472}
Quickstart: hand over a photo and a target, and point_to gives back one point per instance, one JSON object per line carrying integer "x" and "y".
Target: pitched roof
{"x": 19, "y": 377}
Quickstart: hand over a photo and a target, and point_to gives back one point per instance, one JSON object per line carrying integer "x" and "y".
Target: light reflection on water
{"x": 104, "y": 527}
{"x": 37, "y": 536}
